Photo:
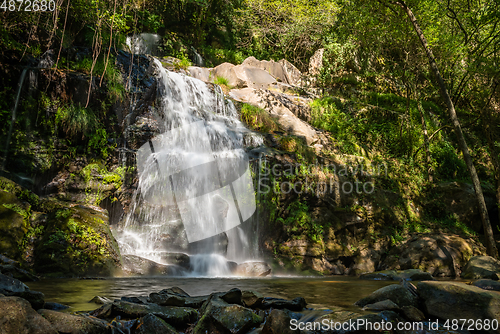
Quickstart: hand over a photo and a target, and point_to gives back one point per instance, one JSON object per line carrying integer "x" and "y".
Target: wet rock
{"x": 136, "y": 300}
{"x": 451, "y": 300}
{"x": 10, "y": 285}
{"x": 55, "y": 306}
{"x": 178, "y": 259}
{"x": 100, "y": 300}
{"x": 252, "y": 299}
{"x": 394, "y": 292}
{"x": 176, "y": 316}
{"x": 17, "y": 316}
{"x": 396, "y": 275}
{"x": 35, "y": 298}
{"x": 73, "y": 324}
{"x": 233, "y": 296}
{"x": 136, "y": 265}
{"x": 151, "y": 324}
{"x": 176, "y": 297}
{"x": 253, "y": 269}
{"x": 277, "y": 322}
{"x": 412, "y": 313}
{"x": 296, "y": 304}
{"x": 487, "y": 284}
{"x": 381, "y": 306}
{"x": 221, "y": 317}
{"x": 482, "y": 267}
{"x": 18, "y": 273}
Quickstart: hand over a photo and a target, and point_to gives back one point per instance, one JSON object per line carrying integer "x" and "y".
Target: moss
{"x": 77, "y": 241}
{"x": 21, "y": 193}
{"x": 13, "y": 225}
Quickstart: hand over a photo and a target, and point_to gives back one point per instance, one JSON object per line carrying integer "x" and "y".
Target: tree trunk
{"x": 488, "y": 232}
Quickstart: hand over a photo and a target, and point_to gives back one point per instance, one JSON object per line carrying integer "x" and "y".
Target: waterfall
{"x": 195, "y": 188}
{"x": 13, "y": 120}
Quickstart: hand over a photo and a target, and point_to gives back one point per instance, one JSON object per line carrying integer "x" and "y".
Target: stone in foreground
{"x": 395, "y": 292}
{"x": 451, "y": 300}
{"x": 17, "y": 316}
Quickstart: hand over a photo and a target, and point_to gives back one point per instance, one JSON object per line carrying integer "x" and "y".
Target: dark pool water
{"x": 319, "y": 292}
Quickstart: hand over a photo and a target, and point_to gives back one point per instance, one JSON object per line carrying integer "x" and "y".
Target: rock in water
{"x": 395, "y": 292}
{"x": 251, "y": 299}
{"x": 487, "y": 284}
{"x": 11, "y": 285}
{"x": 253, "y": 269}
{"x": 151, "y": 324}
{"x": 277, "y": 322}
{"x": 382, "y": 306}
{"x": 17, "y": 316}
{"x": 450, "y": 300}
{"x": 481, "y": 267}
{"x": 221, "y": 317}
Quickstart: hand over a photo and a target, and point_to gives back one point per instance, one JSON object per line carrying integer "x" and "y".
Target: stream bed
{"x": 319, "y": 292}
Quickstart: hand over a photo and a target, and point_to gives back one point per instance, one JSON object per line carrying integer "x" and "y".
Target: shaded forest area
{"x": 373, "y": 59}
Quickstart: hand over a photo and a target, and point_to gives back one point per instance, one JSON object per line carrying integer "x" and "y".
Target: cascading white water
{"x": 202, "y": 145}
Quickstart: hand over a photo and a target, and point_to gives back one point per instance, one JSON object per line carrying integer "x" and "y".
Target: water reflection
{"x": 319, "y": 292}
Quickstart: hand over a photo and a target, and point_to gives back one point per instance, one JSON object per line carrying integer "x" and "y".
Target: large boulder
{"x": 10, "y": 285}
{"x": 278, "y": 107}
{"x": 293, "y": 74}
{"x": 175, "y": 316}
{"x": 221, "y": 317}
{"x": 136, "y": 265}
{"x": 439, "y": 254}
{"x": 296, "y": 304}
{"x": 273, "y": 68}
{"x": 487, "y": 284}
{"x": 17, "y": 316}
{"x": 253, "y": 269}
{"x": 398, "y": 294}
{"x": 227, "y": 71}
{"x": 277, "y": 322}
{"x": 73, "y": 324}
{"x": 453, "y": 300}
{"x": 151, "y": 324}
{"x": 76, "y": 241}
{"x": 482, "y": 267}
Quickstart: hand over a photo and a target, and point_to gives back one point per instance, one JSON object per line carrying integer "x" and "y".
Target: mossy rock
{"x": 13, "y": 225}
{"x": 21, "y": 193}
{"x": 76, "y": 242}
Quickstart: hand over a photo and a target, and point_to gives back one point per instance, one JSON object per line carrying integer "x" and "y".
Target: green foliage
{"x": 98, "y": 142}
{"x": 216, "y": 56}
{"x": 292, "y": 30}
{"x": 76, "y": 120}
{"x": 184, "y": 63}
{"x": 221, "y": 81}
{"x": 257, "y": 118}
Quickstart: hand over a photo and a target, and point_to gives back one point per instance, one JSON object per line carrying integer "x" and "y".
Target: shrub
{"x": 258, "y": 119}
